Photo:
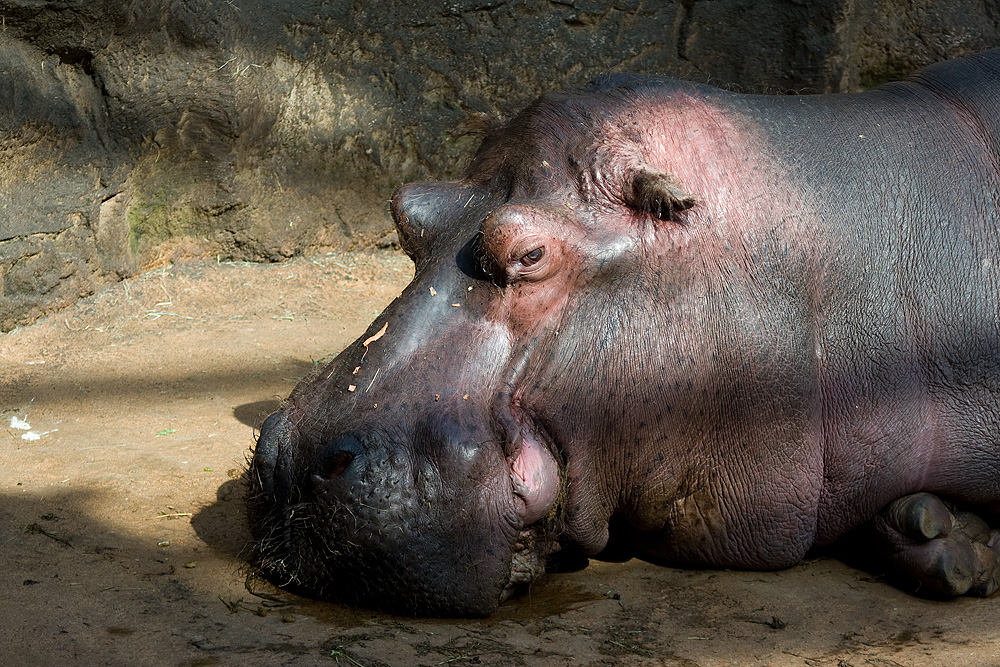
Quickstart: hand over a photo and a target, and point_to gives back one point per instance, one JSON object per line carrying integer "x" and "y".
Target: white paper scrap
{"x": 34, "y": 435}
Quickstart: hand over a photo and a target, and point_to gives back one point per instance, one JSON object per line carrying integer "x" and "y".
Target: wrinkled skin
{"x": 660, "y": 320}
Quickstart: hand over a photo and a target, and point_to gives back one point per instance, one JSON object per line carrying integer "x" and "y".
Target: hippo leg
{"x": 943, "y": 550}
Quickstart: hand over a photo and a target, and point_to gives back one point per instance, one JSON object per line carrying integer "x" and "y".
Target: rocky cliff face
{"x": 136, "y": 132}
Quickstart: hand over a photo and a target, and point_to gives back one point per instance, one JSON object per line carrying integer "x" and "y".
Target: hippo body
{"x": 661, "y": 320}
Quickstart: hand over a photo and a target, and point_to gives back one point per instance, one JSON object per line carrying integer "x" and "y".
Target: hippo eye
{"x": 533, "y": 257}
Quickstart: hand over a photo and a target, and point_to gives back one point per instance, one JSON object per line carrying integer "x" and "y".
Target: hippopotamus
{"x": 659, "y": 320}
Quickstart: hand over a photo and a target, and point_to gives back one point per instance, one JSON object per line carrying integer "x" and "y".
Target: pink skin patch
{"x": 536, "y": 479}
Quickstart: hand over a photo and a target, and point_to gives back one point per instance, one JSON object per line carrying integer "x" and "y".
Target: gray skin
{"x": 660, "y": 320}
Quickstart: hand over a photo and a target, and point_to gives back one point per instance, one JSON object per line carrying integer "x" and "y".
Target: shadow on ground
{"x": 254, "y": 414}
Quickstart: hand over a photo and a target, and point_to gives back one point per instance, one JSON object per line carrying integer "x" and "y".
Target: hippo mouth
{"x": 535, "y": 476}
{"x": 537, "y": 483}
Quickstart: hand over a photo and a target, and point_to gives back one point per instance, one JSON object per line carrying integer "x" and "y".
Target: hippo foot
{"x": 942, "y": 550}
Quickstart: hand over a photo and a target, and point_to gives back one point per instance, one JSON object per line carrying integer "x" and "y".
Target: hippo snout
{"x": 341, "y": 460}
{"x": 415, "y": 522}
{"x": 282, "y": 473}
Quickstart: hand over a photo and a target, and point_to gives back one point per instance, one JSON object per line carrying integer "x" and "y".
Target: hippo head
{"x": 430, "y": 467}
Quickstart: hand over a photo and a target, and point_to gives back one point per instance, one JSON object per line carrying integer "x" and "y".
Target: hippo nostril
{"x": 335, "y": 464}
{"x": 338, "y": 456}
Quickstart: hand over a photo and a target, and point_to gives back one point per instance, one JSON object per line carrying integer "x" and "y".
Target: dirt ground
{"x": 126, "y": 421}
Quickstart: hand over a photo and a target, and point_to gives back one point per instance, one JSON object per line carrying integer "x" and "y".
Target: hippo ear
{"x": 658, "y": 194}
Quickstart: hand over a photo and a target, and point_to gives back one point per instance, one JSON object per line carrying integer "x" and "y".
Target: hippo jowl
{"x": 663, "y": 320}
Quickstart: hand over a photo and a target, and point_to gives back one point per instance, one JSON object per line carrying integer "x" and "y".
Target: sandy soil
{"x": 121, "y": 525}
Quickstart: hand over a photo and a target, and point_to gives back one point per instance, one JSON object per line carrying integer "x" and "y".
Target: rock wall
{"x": 137, "y": 132}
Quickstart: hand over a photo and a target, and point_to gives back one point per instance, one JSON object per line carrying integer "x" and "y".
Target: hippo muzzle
{"x": 427, "y": 522}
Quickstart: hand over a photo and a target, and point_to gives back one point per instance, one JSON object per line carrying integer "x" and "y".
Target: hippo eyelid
{"x": 533, "y": 257}
{"x": 534, "y": 265}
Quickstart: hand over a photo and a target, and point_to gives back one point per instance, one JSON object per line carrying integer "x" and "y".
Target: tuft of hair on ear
{"x": 658, "y": 194}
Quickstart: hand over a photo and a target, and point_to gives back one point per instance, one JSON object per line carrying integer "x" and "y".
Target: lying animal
{"x": 660, "y": 319}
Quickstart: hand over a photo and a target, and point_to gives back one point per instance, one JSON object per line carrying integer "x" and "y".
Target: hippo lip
{"x": 536, "y": 479}
{"x": 534, "y": 473}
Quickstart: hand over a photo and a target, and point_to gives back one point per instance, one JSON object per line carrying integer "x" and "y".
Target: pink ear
{"x": 657, "y": 194}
